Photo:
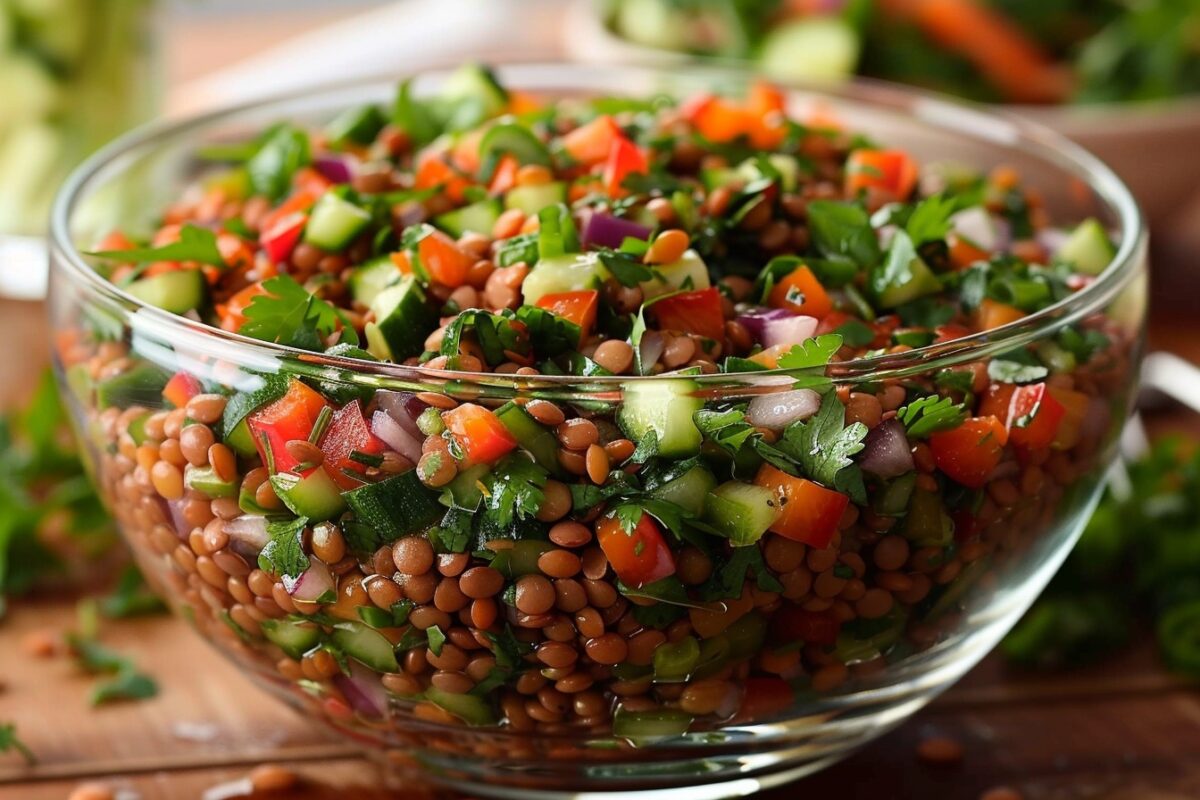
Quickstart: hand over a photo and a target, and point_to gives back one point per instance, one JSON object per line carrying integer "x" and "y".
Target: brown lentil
{"x": 534, "y": 594}
{"x": 413, "y": 555}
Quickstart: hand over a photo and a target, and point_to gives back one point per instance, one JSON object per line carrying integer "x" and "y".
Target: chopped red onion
{"x": 886, "y": 451}
{"x": 651, "y": 347}
{"x": 1052, "y": 239}
{"x": 249, "y": 530}
{"x": 312, "y": 584}
{"x": 395, "y": 436}
{"x": 404, "y": 407}
{"x": 335, "y": 168}
{"x": 754, "y": 319}
{"x": 777, "y": 411}
{"x": 183, "y": 528}
{"x": 363, "y": 691}
{"x": 792, "y": 330}
{"x": 605, "y": 230}
{"x": 978, "y": 226}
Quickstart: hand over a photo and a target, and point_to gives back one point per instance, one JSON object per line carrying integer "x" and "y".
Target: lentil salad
{"x": 645, "y": 568}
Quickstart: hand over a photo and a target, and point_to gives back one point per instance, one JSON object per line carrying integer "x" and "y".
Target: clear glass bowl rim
{"x": 967, "y": 120}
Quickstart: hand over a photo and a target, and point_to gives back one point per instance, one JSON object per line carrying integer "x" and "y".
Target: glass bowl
{"x": 784, "y": 698}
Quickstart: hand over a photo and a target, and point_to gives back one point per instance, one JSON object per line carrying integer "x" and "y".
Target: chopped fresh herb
{"x": 647, "y": 448}
{"x": 127, "y": 684}
{"x": 515, "y": 490}
{"x": 931, "y": 414}
{"x": 284, "y": 553}
{"x": 811, "y": 353}
{"x": 1005, "y": 371}
{"x": 930, "y": 219}
{"x": 842, "y": 231}
{"x": 856, "y": 333}
{"x": 554, "y": 334}
{"x": 130, "y": 597}
{"x": 279, "y": 157}
{"x": 628, "y": 270}
{"x": 289, "y": 314}
{"x": 729, "y": 579}
{"x": 495, "y": 333}
{"x": 9, "y": 741}
{"x": 823, "y": 445}
{"x": 195, "y": 244}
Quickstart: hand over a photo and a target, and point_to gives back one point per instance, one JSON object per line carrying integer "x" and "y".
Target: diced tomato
{"x": 808, "y": 512}
{"x": 791, "y": 624}
{"x": 578, "y": 307}
{"x": 638, "y": 557}
{"x": 115, "y": 241}
{"x": 949, "y": 332}
{"x": 1031, "y": 414}
{"x": 624, "y": 159}
{"x": 992, "y": 314}
{"x": 770, "y": 356}
{"x": 801, "y": 292}
{"x": 716, "y": 118}
{"x": 591, "y": 142}
{"x": 969, "y": 453}
{"x": 181, "y": 388}
{"x": 505, "y": 176}
{"x": 444, "y": 260}
{"x": 299, "y": 201}
{"x": 235, "y": 251}
{"x": 522, "y": 102}
{"x": 764, "y": 115}
{"x": 891, "y": 171}
{"x": 432, "y": 172}
{"x": 465, "y": 153}
{"x": 964, "y": 253}
{"x": 1070, "y": 427}
{"x": 832, "y": 321}
{"x": 402, "y": 261}
{"x": 698, "y": 311}
{"x": 483, "y": 438}
{"x": 281, "y": 236}
{"x": 763, "y": 699}
{"x": 348, "y": 432}
{"x": 290, "y": 417}
{"x": 232, "y": 313}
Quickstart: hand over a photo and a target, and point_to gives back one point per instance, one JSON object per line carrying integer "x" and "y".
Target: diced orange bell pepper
{"x": 311, "y": 181}
{"x": 402, "y": 261}
{"x": 638, "y": 557}
{"x": 969, "y": 453}
{"x": 801, "y": 292}
{"x": 624, "y": 159}
{"x": 181, "y": 388}
{"x": 432, "y": 172}
{"x": 505, "y": 176}
{"x": 1070, "y": 427}
{"x": 591, "y": 142}
{"x": 577, "y": 307}
{"x": 716, "y": 118}
{"x": 891, "y": 171}
{"x": 992, "y": 314}
{"x": 964, "y": 253}
{"x": 698, "y": 311}
{"x": 482, "y": 436}
{"x": 764, "y": 115}
{"x": 444, "y": 260}
{"x": 808, "y": 512}
{"x": 464, "y": 155}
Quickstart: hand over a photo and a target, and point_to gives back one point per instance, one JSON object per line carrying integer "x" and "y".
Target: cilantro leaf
{"x": 856, "y": 333}
{"x": 927, "y": 415}
{"x": 647, "y": 448}
{"x": 10, "y": 741}
{"x": 414, "y": 116}
{"x": 279, "y": 157}
{"x": 842, "y": 231}
{"x": 515, "y": 490}
{"x": 811, "y": 353}
{"x": 729, "y": 580}
{"x": 824, "y": 444}
{"x": 1006, "y": 371}
{"x": 127, "y": 685}
{"x": 930, "y": 219}
{"x": 553, "y": 334}
{"x": 509, "y": 652}
{"x": 195, "y": 244}
{"x": 284, "y": 554}
{"x": 896, "y": 269}
{"x": 289, "y": 314}
{"x": 627, "y": 270}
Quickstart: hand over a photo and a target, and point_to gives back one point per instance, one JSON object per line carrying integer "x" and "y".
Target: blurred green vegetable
{"x": 1138, "y": 559}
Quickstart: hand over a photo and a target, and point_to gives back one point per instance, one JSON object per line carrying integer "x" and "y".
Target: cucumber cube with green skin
{"x": 532, "y": 436}
{"x": 532, "y": 199}
{"x": 370, "y": 279}
{"x": 292, "y": 636}
{"x": 787, "y": 167}
{"x": 365, "y": 645}
{"x": 315, "y": 496}
{"x": 475, "y": 83}
{"x": 335, "y": 222}
{"x": 179, "y": 291}
{"x": 140, "y": 386}
{"x": 689, "y": 490}
{"x": 571, "y": 272}
{"x": 741, "y": 511}
{"x": 402, "y": 321}
{"x": 821, "y": 48}
{"x": 464, "y": 489}
{"x": 923, "y": 282}
{"x": 206, "y": 481}
{"x": 478, "y": 217}
{"x": 396, "y": 507}
{"x": 469, "y": 708}
{"x": 664, "y": 406}
{"x": 1088, "y": 248}
{"x": 241, "y": 441}
{"x": 647, "y": 727}
{"x": 359, "y": 125}
{"x": 689, "y": 272}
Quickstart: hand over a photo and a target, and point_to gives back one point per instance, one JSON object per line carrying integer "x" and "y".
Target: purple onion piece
{"x": 1052, "y": 239}
{"x": 605, "y": 230}
{"x": 363, "y": 691}
{"x": 404, "y": 407}
{"x": 777, "y": 411}
{"x": 395, "y": 436}
{"x": 312, "y": 583}
{"x": 247, "y": 535}
{"x": 183, "y": 528}
{"x": 886, "y": 452}
{"x": 790, "y": 331}
{"x": 334, "y": 167}
{"x": 755, "y": 318}
{"x": 651, "y": 347}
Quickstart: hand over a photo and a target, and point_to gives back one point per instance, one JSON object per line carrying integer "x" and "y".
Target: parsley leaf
{"x": 518, "y": 249}
{"x": 553, "y": 334}
{"x": 279, "y": 157}
{"x": 131, "y": 597}
{"x": 930, "y": 219}
{"x": 856, "y": 333}
{"x": 842, "y": 231}
{"x": 10, "y": 741}
{"x": 814, "y": 352}
{"x": 647, "y": 448}
{"x": 1005, "y": 371}
{"x": 927, "y": 415}
{"x": 824, "y": 444}
{"x": 495, "y": 334}
{"x": 728, "y": 581}
{"x": 127, "y": 685}
{"x": 413, "y": 116}
{"x": 515, "y": 490}
{"x": 289, "y": 314}
{"x": 627, "y": 270}
{"x": 284, "y": 554}
{"x": 195, "y": 244}
{"x": 896, "y": 269}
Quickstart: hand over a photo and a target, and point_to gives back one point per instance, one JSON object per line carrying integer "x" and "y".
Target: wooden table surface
{"x": 1122, "y": 730}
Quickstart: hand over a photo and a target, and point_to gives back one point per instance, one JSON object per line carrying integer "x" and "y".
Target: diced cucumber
{"x": 674, "y": 661}
{"x": 927, "y": 523}
{"x": 241, "y": 441}
{"x": 716, "y": 177}
{"x": 1088, "y": 248}
{"x": 469, "y": 96}
{"x": 402, "y": 321}
{"x": 368, "y": 280}
{"x": 521, "y": 558}
{"x": 787, "y": 167}
{"x": 648, "y": 727}
{"x": 206, "y": 481}
{"x": 315, "y": 496}
{"x": 817, "y": 48}
{"x": 470, "y": 708}
{"x": 666, "y": 407}
{"x": 478, "y": 217}
{"x": 358, "y": 125}
{"x": 293, "y": 636}
{"x": 532, "y": 436}
{"x": 141, "y": 385}
{"x": 656, "y": 23}
{"x": 923, "y": 282}
{"x": 335, "y": 222}
{"x": 532, "y": 199}
{"x": 689, "y": 272}
{"x": 515, "y": 140}
{"x": 892, "y": 500}
{"x": 689, "y": 490}
{"x": 365, "y": 645}
{"x": 741, "y": 511}
{"x": 573, "y": 272}
{"x": 179, "y": 291}
{"x": 137, "y": 428}
{"x": 464, "y": 489}
{"x": 396, "y": 507}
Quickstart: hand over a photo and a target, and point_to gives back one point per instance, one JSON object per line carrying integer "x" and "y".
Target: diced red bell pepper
{"x": 808, "y": 512}
{"x": 281, "y": 236}
{"x": 832, "y": 321}
{"x": 483, "y": 438}
{"x": 801, "y": 292}
{"x": 969, "y": 453}
{"x": 764, "y": 115}
{"x": 763, "y": 699}
{"x": 444, "y": 260}
{"x": 577, "y": 307}
{"x": 949, "y": 332}
{"x": 290, "y": 417}
{"x": 232, "y": 314}
{"x": 698, "y": 311}
{"x": 891, "y": 171}
{"x": 1070, "y": 427}
{"x": 791, "y": 624}
{"x": 348, "y": 432}
{"x": 591, "y": 142}
{"x": 1031, "y": 414}
{"x": 964, "y": 253}
{"x": 624, "y": 159}
{"x": 992, "y": 314}
{"x": 311, "y": 181}
{"x": 638, "y": 557}
{"x": 432, "y": 172}
{"x": 716, "y": 118}
{"x": 181, "y": 388}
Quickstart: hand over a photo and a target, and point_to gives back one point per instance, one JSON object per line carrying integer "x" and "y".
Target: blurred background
{"x": 1121, "y": 77}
